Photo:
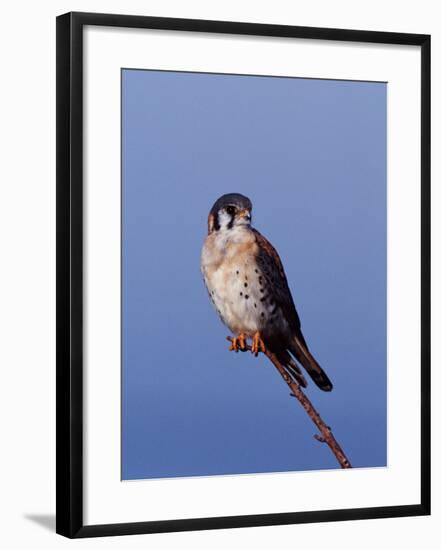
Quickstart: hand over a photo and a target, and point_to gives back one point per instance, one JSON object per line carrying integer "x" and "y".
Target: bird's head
{"x": 229, "y": 211}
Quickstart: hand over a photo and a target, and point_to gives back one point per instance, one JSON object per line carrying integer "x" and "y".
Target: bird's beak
{"x": 244, "y": 214}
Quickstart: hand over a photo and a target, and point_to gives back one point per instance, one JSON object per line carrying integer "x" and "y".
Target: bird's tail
{"x": 300, "y": 350}
{"x": 288, "y": 362}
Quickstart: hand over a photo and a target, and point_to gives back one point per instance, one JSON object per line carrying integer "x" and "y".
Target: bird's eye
{"x": 231, "y": 210}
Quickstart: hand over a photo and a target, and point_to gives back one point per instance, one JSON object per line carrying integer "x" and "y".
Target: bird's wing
{"x": 271, "y": 265}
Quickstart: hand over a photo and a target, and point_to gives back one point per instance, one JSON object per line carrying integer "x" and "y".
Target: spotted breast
{"x": 238, "y": 285}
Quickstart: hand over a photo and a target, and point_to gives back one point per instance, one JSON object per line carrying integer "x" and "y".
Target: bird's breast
{"x": 237, "y": 287}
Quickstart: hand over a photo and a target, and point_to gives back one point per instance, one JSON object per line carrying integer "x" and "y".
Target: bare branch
{"x": 326, "y": 435}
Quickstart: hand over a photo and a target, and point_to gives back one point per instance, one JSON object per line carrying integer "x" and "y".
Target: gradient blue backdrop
{"x": 311, "y": 154}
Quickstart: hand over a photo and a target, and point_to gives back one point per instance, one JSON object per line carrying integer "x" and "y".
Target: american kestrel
{"x": 247, "y": 284}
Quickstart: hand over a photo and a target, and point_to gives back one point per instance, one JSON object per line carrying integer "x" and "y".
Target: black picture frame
{"x": 69, "y": 295}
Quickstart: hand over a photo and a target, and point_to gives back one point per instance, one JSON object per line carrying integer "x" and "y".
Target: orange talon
{"x": 258, "y": 344}
{"x": 242, "y": 341}
{"x": 234, "y": 346}
{"x": 238, "y": 342}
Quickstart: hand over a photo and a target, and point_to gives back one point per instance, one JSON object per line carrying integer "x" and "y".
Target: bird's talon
{"x": 257, "y": 345}
{"x": 238, "y": 342}
{"x": 242, "y": 341}
{"x": 234, "y": 346}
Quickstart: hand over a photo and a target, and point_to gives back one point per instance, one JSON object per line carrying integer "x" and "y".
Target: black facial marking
{"x": 261, "y": 290}
{"x": 216, "y": 224}
{"x": 246, "y": 296}
{"x": 245, "y": 284}
{"x": 255, "y": 305}
{"x": 237, "y": 272}
{"x": 241, "y": 293}
{"x": 231, "y": 211}
{"x": 262, "y": 314}
{"x": 257, "y": 271}
{"x": 263, "y": 299}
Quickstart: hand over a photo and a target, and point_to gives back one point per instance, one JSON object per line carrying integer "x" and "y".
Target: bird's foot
{"x": 238, "y": 342}
{"x": 258, "y": 344}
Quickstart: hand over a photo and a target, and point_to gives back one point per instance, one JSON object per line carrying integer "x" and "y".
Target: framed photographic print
{"x": 243, "y": 288}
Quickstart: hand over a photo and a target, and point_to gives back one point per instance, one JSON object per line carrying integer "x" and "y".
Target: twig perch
{"x": 326, "y": 435}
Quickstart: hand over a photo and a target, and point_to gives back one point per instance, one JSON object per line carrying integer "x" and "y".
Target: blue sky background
{"x": 311, "y": 155}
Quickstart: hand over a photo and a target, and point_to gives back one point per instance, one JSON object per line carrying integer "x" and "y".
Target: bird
{"x": 247, "y": 285}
